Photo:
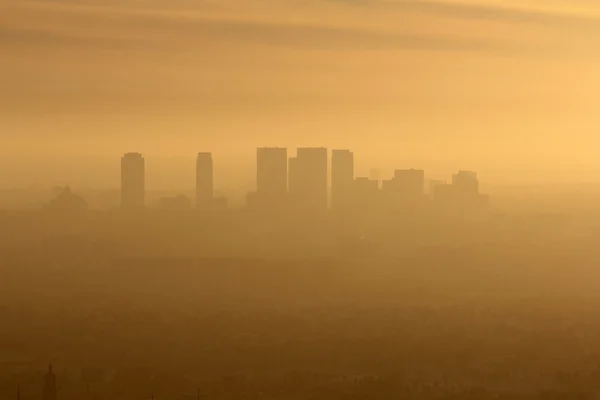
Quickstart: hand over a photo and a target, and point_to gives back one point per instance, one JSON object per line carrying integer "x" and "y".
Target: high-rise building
{"x": 342, "y": 178}
{"x": 463, "y": 194}
{"x": 204, "y": 181}
{"x": 366, "y": 194}
{"x": 271, "y": 175}
{"x": 410, "y": 183}
{"x": 308, "y": 173}
{"x": 466, "y": 183}
{"x": 133, "y": 181}
{"x": 406, "y": 188}
{"x": 366, "y": 186}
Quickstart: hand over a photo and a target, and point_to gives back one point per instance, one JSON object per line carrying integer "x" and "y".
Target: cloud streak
{"x": 117, "y": 29}
{"x": 482, "y": 11}
{"x": 188, "y": 35}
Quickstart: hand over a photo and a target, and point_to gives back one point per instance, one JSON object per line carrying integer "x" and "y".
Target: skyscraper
{"x": 204, "y": 181}
{"x": 310, "y": 178}
{"x": 271, "y": 175}
{"x": 342, "y": 178}
{"x": 133, "y": 181}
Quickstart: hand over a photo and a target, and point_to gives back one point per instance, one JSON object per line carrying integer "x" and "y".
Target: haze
{"x": 299, "y": 199}
{"x": 507, "y": 88}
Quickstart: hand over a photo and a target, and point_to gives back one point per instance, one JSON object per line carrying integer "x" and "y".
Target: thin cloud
{"x": 22, "y": 37}
{"x": 186, "y": 36}
{"x": 503, "y": 13}
{"x": 117, "y": 29}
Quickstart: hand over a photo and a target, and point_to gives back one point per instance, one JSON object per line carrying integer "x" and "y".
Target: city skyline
{"x": 496, "y": 86}
{"x": 174, "y": 172}
{"x": 311, "y": 181}
{"x": 299, "y": 199}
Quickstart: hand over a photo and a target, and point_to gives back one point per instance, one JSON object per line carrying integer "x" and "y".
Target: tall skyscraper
{"x": 204, "y": 181}
{"x": 309, "y": 177}
{"x": 133, "y": 181}
{"x": 271, "y": 175}
{"x": 342, "y": 178}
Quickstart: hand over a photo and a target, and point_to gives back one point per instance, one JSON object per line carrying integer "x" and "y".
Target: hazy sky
{"x": 506, "y": 87}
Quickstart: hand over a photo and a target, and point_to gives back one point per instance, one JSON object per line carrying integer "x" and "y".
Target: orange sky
{"x": 508, "y": 88}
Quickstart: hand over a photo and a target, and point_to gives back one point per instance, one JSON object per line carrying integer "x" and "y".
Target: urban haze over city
{"x": 299, "y": 199}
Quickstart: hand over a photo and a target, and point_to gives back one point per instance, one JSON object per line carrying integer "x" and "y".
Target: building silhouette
{"x": 133, "y": 181}
{"x": 342, "y": 178}
{"x": 405, "y": 188}
{"x": 308, "y": 178}
{"x": 466, "y": 183}
{"x": 66, "y": 200}
{"x": 301, "y": 182}
{"x": 366, "y": 194}
{"x": 462, "y": 194}
{"x": 410, "y": 182}
{"x": 204, "y": 181}
{"x": 375, "y": 174}
{"x": 49, "y": 392}
{"x": 433, "y": 184}
{"x": 271, "y": 176}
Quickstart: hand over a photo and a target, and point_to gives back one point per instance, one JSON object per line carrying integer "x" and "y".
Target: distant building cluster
{"x": 305, "y": 183}
{"x": 66, "y": 200}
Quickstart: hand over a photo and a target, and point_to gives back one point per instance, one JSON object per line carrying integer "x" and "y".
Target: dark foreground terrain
{"x": 478, "y": 321}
